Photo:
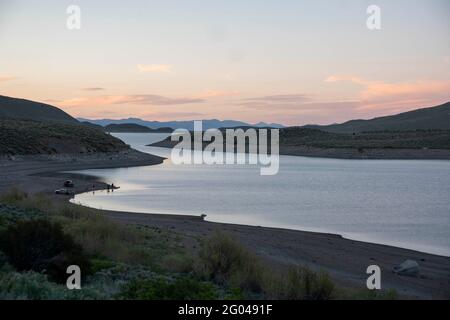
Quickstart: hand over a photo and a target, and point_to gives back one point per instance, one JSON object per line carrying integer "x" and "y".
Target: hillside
{"x": 133, "y": 127}
{"x": 91, "y": 125}
{"x": 24, "y": 137}
{"x": 13, "y": 108}
{"x": 304, "y": 137}
{"x": 418, "y": 139}
{"x": 28, "y": 127}
{"x": 298, "y": 141}
{"x": 434, "y": 118}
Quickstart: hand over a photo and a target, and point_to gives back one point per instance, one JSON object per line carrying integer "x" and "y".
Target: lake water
{"x": 397, "y": 202}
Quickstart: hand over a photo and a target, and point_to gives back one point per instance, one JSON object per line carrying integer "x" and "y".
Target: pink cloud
{"x": 140, "y": 99}
{"x": 93, "y": 89}
{"x": 216, "y": 94}
{"x": 6, "y": 78}
{"x": 400, "y": 96}
{"x": 154, "y": 68}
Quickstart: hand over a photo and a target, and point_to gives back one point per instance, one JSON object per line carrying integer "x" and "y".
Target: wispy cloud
{"x": 276, "y": 102}
{"x": 139, "y": 99}
{"x": 6, "y": 78}
{"x": 93, "y": 89}
{"x": 216, "y": 94}
{"x": 52, "y": 101}
{"x": 384, "y": 95}
{"x": 154, "y": 68}
{"x": 302, "y": 107}
{"x": 282, "y": 98}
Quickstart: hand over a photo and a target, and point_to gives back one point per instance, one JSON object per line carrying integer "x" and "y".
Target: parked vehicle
{"x": 68, "y": 184}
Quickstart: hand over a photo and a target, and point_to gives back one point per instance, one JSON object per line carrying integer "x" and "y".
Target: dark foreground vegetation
{"x": 40, "y": 238}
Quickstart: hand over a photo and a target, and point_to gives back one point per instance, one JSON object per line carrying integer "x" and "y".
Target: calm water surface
{"x": 401, "y": 203}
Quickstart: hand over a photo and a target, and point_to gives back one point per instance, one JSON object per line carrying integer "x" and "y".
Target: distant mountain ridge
{"x": 434, "y": 118}
{"x": 14, "y": 108}
{"x": 189, "y": 125}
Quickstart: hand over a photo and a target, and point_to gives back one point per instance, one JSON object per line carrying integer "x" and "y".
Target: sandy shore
{"x": 344, "y": 259}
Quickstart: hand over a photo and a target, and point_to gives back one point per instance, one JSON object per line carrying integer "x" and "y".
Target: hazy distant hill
{"x": 435, "y": 118}
{"x": 13, "y": 108}
{"x": 189, "y": 125}
{"x": 133, "y": 127}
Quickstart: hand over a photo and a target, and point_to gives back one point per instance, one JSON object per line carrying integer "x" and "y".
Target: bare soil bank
{"x": 344, "y": 259}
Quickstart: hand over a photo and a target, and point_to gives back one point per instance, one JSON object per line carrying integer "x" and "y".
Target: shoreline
{"x": 344, "y": 259}
{"x": 348, "y": 153}
{"x": 274, "y": 228}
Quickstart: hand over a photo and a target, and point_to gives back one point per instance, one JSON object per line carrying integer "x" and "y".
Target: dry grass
{"x": 299, "y": 283}
{"x": 225, "y": 261}
{"x": 98, "y": 235}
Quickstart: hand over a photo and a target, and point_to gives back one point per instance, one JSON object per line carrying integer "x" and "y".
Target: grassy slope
{"x": 431, "y": 139}
{"x": 33, "y": 137}
{"x": 435, "y": 118}
{"x": 303, "y": 137}
{"x": 13, "y": 108}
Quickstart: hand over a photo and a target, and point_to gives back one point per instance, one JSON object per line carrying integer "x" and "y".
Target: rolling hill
{"x": 434, "y": 118}
{"x": 13, "y": 108}
{"x": 29, "y": 128}
{"x": 26, "y": 137}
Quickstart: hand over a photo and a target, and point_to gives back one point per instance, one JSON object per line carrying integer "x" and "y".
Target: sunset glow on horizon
{"x": 295, "y": 63}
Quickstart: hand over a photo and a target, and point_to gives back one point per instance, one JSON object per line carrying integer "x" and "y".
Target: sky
{"x": 290, "y": 62}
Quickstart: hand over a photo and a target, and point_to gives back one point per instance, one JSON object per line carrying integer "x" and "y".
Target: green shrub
{"x": 101, "y": 264}
{"x": 99, "y": 236}
{"x": 234, "y": 294}
{"x": 177, "y": 263}
{"x": 366, "y": 294}
{"x": 35, "y": 286}
{"x": 308, "y": 285}
{"x": 225, "y": 261}
{"x": 299, "y": 283}
{"x": 182, "y": 288}
{"x": 106, "y": 239}
{"x": 13, "y": 196}
{"x": 42, "y": 246}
